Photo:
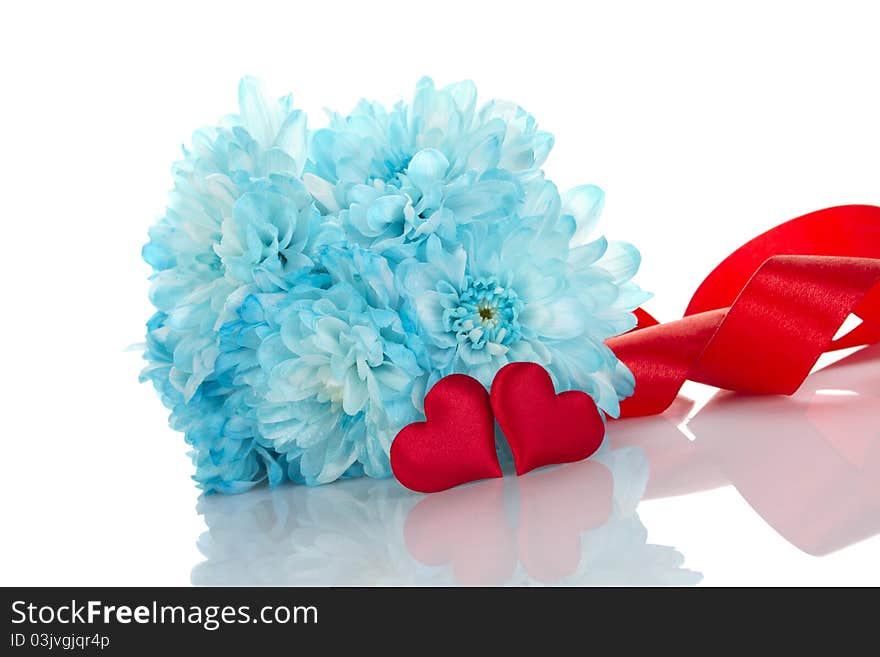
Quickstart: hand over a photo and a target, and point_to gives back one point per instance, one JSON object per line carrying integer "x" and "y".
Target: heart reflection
{"x": 569, "y": 525}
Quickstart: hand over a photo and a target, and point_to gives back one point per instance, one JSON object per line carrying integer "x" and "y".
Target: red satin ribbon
{"x": 762, "y": 318}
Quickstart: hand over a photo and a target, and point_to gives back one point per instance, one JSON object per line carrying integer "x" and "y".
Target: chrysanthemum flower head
{"x": 518, "y": 291}
{"x": 339, "y": 372}
{"x": 238, "y": 220}
{"x": 397, "y": 176}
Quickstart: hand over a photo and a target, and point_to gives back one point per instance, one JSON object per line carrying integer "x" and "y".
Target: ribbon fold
{"x": 759, "y": 322}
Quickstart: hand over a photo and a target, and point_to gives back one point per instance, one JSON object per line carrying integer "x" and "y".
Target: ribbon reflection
{"x": 809, "y": 464}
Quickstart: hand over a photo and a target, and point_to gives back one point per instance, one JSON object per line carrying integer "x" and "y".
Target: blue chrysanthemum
{"x": 339, "y": 371}
{"x": 311, "y": 288}
{"x": 520, "y": 291}
{"x": 395, "y": 177}
{"x": 239, "y": 221}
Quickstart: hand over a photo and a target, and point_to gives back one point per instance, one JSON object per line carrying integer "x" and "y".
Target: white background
{"x": 705, "y": 123}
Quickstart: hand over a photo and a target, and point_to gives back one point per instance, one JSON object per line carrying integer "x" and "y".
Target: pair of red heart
{"x": 456, "y": 443}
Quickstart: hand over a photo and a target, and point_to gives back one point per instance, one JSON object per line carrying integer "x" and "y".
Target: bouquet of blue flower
{"x": 311, "y": 287}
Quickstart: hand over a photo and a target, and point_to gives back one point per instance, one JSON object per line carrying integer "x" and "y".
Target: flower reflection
{"x": 569, "y": 525}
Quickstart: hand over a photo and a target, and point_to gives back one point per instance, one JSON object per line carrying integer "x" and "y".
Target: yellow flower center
{"x": 487, "y": 313}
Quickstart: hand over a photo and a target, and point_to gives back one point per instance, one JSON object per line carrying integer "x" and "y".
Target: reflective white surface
{"x": 808, "y": 466}
{"x": 95, "y": 487}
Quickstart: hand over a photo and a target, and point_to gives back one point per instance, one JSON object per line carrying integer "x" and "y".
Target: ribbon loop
{"x": 762, "y": 318}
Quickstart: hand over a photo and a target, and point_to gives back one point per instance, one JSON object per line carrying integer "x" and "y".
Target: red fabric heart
{"x": 542, "y": 427}
{"x": 456, "y": 443}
